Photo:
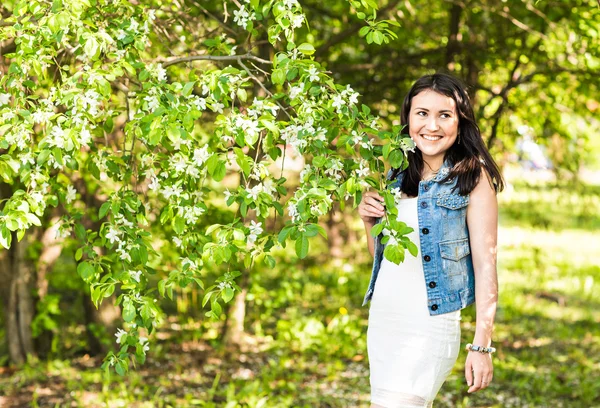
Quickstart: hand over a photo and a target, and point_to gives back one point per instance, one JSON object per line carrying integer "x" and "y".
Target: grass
{"x": 307, "y": 344}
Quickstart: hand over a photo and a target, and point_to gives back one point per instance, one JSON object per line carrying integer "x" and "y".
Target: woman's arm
{"x": 482, "y": 221}
{"x": 370, "y": 208}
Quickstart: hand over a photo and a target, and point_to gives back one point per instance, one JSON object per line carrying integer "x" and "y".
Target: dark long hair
{"x": 466, "y": 158}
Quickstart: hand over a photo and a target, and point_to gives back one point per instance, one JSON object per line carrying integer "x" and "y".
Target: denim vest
{"x": 445, "y": 248}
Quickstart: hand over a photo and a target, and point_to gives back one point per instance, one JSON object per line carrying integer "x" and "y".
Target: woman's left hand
{"x": 479, "y": 370}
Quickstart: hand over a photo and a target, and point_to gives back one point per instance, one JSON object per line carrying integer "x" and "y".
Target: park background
{"x": 295, "y": 335}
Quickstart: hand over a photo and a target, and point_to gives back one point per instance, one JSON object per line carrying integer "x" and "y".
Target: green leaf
{"x": 396, "y": 158}
{"x": 306, "y": 49}
{"x": 121, "y": 367}
{"x": 270, "y": 261}
{"x": 91, "y": 48}
{"x": 412, "y": 248}
{"x": 364, "y": 31}
{"x": 188, "y": 88}
{"x": 86, "y": 271}
{"x": 5, "y": 237}
{"x": 227, "y": 294}
{"x": 242, "y": 94}
{"x": 376, "y": 229}
{"x": 80, "y": 231}
{"x": 393, "y": 254}
{"x": 278, "y": 76}
{"x": 302, "y": 246}
{"x": 161, "y": 287}
{"x": 129, "y": 311}
{"x": 377, "y": 37}
{"x": 283, "y": 234}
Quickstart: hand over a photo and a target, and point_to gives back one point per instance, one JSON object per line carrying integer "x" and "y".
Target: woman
{"x": 448, "y": 196}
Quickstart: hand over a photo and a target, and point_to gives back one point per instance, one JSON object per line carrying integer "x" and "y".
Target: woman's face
{"x": 433, "y": 125}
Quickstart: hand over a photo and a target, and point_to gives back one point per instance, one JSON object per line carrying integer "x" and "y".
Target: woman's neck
{"x": 431, "y": 167}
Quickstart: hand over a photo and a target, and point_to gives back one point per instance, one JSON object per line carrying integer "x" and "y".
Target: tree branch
{"x": 259, "y": 82}
{"x": 173, "y": 61}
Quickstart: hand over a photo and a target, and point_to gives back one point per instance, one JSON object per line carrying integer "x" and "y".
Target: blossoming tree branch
{"x": 129, "y": 146}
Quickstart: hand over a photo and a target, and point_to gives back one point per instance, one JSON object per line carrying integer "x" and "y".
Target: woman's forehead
{"x": 432, "y": 101}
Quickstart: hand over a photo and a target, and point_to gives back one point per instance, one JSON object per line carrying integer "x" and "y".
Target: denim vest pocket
{"x": 452, "y": 201}
{"x": 454, "y": 253}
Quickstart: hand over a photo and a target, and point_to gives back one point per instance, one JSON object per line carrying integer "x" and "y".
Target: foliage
{"x": 92, "y": 112}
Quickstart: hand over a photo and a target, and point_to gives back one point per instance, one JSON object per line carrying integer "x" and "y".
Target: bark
{"x": 334, "y": 233}
{"x": 17, "y": 276}
{"x": 234, "y": 325}
{"x": 453, "y": 40}
{"x": 51, "y": 250}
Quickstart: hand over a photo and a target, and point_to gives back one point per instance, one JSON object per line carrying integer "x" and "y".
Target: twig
{"x": 263, "y": 87}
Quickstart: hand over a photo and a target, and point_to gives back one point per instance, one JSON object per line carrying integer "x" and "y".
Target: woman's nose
{"x": 432, "y": 124}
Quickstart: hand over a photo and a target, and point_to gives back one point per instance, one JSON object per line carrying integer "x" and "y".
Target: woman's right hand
{"x": 371, "y": 207}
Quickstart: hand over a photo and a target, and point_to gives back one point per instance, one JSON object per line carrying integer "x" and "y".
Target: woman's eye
{"x": 419, "y": 113}
{"x": 446, "y": 115}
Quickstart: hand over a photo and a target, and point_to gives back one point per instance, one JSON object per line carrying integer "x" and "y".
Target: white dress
{"x": 410, "y": 352}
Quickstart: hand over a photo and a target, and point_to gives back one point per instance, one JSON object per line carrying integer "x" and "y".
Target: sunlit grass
{"x": 309, "y": 329}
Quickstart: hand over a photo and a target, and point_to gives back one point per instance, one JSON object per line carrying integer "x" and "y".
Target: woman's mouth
{"x": 431, "y": 138}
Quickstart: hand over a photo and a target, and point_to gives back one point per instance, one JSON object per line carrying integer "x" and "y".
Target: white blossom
{"x": 4, "y": 98}
{"x": 295, "y": 91}
{"x": 293, "y": 212}
{"x": 177, "y": 163}
{"x": 134, "y": 25}
{"x": 170, "y": 191}
{"x": 338, "y": 102}
{"x": 217, "y": 107}
{"x": 120, "y": 334}
{"x": 154, "y": 183}
{"x": 153, "y": 102}
{"x": 113, "y": 235}
{"x": 145, "y": 344}
{"x": 201, "y": 155}
{"x": 135, "y": 275}
{"x": 84, "y": 136}
{"x": 313, "y": 74}
{"x": 70, "y": 196}
{"x": 199, "y": 102}
{"x": 363, "y": 170}
{"x": 254, "y": 191}
{"x": 177, "y": 241}
{"x": 161, "y": 73}
{"x": 243, "y": 16}
{"x": 297, "y": 20}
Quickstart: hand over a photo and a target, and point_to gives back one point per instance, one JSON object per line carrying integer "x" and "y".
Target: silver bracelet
{"x": 489, "y": 350}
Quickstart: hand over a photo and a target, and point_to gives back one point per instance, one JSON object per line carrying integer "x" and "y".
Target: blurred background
{"x": 299, "y": 332}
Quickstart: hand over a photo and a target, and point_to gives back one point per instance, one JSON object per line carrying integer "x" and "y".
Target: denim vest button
{"x": 425, "y": 231}
{"x": 434, "y": 307}
{"x": 427, "y": 258}
{"x": 432, "y": 284}
{"x": 426, "y": 187}
{"x": 423, "y": 204}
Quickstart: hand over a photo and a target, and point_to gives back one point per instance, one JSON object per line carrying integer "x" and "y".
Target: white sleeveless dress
{"x": 410, "y": 352}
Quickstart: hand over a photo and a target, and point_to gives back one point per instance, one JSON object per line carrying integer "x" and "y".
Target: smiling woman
{"x": 413, "y": 338}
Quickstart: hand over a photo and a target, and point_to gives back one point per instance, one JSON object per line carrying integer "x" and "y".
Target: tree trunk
{"x": 334, "y": 233}
{"x": 454, "y": 39}
{"x": 17, "y": 277}
{"x": 51, "y": 250}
